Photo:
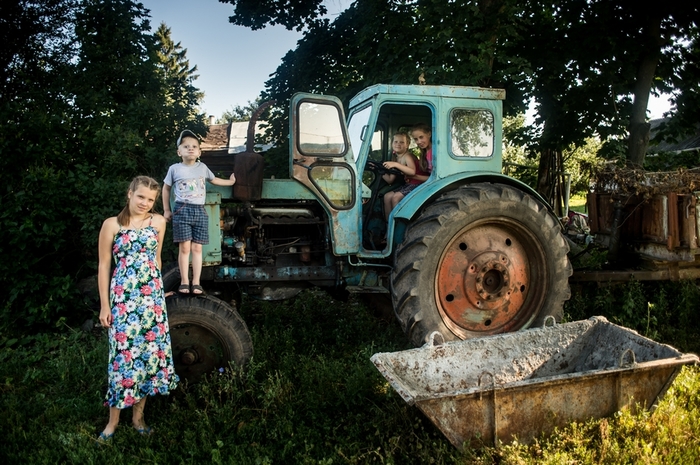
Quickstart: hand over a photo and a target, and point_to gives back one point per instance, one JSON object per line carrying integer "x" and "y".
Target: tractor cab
{"x": 342, "y": 163}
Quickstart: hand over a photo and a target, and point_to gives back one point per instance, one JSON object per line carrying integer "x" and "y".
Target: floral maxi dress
{"x": 140, "y": 354}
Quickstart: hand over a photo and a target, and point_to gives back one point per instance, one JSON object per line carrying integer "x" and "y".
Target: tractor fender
{"x": 427, "y": 192}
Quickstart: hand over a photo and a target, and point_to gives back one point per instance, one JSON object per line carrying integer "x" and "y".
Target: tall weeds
{"x": 311, "y": 396}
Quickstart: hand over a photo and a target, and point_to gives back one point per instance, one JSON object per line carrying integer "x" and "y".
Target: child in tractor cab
{"x": 190, "y": 220}
{"x": 420, "y": 170}
{"x": 405, "y": 162}
{"x": 423, "y": 137}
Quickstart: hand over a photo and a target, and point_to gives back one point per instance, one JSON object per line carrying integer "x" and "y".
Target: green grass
{"x": 310, "y": 396}
{"x": 577, "y": 203}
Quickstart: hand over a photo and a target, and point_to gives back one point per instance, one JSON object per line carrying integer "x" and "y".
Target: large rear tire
{"x": 206, "y": 335}
{"x": 483, "y": 259}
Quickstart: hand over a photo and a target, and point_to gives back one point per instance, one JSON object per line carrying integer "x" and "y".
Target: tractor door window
{"x": 377, "y": 149}
{"x": 320, "y": 130}
{"x": 472, "y": 133}
{"x": 335, "y": 182}
{"x": 358, "y": 128}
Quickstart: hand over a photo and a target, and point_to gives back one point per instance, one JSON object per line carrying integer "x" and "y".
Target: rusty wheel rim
{"x": 198, "y": 350}
{"x": 487, "y": 279}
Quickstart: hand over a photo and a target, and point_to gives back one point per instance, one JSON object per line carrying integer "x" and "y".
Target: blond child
{"x": 409, "y": 165}
{"x": 190, "y": 222}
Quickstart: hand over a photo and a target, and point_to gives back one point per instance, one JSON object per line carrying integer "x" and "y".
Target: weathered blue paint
{"x": 345, "y": 224}
{"x": 211, "y": 252}
{"x": 381, "y": 90}
{"x": 345, "y": 236}
{"x": 272, "y": 273}
{"x": 411, "y": 204}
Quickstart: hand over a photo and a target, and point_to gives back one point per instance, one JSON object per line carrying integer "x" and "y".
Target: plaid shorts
{"x": 406, "y": 189}
{"x": 190, "y": 223}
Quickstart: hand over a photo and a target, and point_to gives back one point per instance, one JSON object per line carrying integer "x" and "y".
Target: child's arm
{"x": 409, "y": 169}
{"x": 166, "y": 202}
{"x": 224, "y": 182}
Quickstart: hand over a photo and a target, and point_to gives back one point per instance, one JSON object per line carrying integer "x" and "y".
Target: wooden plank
{"x": 592, "y": 203}
{"x": 669, "y": 274}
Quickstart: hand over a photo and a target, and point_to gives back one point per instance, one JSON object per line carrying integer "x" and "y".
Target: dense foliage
{"x": 90, "y": 98}
{"x": 588, "y": 67}
{"x": 311, "y": 395}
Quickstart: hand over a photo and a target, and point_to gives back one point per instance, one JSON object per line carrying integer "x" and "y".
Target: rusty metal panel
{"x": 519, "y": 385}
{"x": 687, "y": 221}
{"x": 655, "y": 222}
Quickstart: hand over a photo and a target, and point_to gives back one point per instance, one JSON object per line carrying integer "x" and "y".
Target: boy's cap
{"x": 186, "y": 133}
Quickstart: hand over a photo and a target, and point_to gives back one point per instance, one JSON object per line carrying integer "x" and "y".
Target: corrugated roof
{"x": 690, "y": 142}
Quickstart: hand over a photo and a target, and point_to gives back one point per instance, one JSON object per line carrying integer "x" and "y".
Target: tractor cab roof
{"x": 413, "y": 91}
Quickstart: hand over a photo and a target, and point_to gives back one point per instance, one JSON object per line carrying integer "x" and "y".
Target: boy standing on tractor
{"x": 190, "y": 221}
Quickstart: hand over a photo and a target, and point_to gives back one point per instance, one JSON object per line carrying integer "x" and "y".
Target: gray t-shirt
{"x": 189, "y": 182}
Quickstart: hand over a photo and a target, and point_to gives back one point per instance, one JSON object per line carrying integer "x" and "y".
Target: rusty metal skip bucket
{"x": 496, "y": 389}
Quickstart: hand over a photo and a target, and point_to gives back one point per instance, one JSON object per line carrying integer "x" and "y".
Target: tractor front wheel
{"x": 206, "y": 335}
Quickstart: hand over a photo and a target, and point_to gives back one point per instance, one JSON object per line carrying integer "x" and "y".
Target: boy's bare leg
{"x": 183, "y": 261}
{"x": 196, "y": 264}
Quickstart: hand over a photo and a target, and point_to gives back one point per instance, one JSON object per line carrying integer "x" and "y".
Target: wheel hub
{"x": 482, "y": 281}
{"x": 189, "y": 356}
{"x": 197, "y": 350}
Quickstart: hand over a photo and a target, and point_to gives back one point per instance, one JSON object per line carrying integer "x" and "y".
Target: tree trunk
{"x": 649, "y": 58}
{"x": 544, "y": 173}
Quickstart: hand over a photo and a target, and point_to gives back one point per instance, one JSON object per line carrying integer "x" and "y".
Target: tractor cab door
{"x": 323, "y": 161}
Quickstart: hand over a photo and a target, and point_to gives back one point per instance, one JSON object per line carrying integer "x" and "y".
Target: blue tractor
{"x": 468, "y": 253}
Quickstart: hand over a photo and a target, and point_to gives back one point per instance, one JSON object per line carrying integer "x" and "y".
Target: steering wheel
{"x": 379, "y": 168}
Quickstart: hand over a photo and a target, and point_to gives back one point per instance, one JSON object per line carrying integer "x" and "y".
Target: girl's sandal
{"x": 145, "y": 431}
{"x": 104, "y": 438}
{"x": 183, "y": 289}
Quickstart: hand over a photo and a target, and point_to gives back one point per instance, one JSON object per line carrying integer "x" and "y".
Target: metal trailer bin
{"x": 518, "y": 385}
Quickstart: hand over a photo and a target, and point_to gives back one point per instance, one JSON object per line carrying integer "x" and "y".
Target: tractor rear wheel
{"x": 483, "y": 259}
{"x": 206, "y": 335}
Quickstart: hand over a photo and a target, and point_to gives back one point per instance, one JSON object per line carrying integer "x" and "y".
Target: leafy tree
{"x": 683, "y": 59}
{"x": 33, "y": 142}
{"x": 588, "y": 65}
{"x": 33, "y": 35}
{"x": 238, "y": 113}
{"x": 181, "y": 95}
{"x": 292, "y": 14}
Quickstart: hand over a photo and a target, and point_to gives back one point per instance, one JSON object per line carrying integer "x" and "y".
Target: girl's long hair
{"x": 124, "y": 217}
{"x": 423, "y": 160}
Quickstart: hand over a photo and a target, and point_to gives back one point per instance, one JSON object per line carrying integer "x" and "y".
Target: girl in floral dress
{"x": 132, "y": 306}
